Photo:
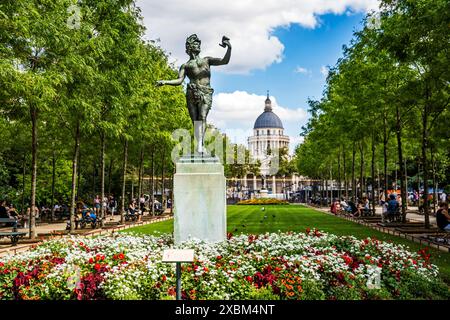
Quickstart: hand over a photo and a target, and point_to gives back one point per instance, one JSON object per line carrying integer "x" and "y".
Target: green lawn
{"x": 251, "y": 219}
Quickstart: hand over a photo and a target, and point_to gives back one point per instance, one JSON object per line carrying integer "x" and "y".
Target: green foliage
{"x": 99, "y": 77}
{"x": 312, "y": 290}
{"x": 265, "y": 293}
{"x": 389, "y": 93}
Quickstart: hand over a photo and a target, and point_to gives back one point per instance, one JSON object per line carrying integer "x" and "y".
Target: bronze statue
{"x": 199, "y": 92}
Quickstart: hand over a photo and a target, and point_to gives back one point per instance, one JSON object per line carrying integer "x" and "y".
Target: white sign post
{"x": 178, "y": 256}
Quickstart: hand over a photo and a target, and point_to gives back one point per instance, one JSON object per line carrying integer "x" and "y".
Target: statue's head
{"x": 193, "y": 44}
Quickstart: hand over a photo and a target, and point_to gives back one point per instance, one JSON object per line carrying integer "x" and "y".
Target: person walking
{"x": 443, "y": 197}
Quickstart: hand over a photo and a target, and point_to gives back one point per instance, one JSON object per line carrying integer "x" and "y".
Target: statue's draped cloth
{"x": 198, "y": 96}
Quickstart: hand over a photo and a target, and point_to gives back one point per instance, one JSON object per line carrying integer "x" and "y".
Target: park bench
{"x": 14, "y": 235}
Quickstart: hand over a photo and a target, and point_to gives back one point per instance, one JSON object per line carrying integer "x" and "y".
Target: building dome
{"x": 268, "y": 119}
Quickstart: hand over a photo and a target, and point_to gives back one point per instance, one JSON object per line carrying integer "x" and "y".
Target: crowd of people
{"x": 358, "y": 209}
{"x": 85, "y": 211}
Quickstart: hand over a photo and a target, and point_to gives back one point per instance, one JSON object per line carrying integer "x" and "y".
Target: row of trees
{"x": 386, "y": 104}
{"x": 79, "y": 111}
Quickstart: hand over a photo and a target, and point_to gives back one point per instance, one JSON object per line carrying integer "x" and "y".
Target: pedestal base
{"x": 199, "y": 200}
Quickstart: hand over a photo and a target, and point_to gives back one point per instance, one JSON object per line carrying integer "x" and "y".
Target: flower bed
{"x": 310, "y": 265}
{"x": 262, "y": 201}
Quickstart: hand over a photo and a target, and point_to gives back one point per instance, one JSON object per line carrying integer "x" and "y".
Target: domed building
{"x": 268, "y": 133}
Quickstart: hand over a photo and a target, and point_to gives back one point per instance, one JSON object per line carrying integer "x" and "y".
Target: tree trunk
{"x": 425, "y": 164}
{"x": 52, "y": 205}
{"x": 373, "y": 173}
{"x": 79, "y": 175}
{"x": 433, "y": 163}
{"x": 22, "y": 210}
{"x": 34, "y": 148}
{"x": 74, "y": 176}
{"x": 345, "y": 173}
{"x": 153, "y": 180}
{"x": 124, "y": 176}
{"x": 361, "y": 172}
{"x": 400, "y": 160}
{"x": 163, "y": 193}
{"x": 406, "y": 183}
{"x": 339, "y": 175}
{"x": 102, "y": 173}
{"x": 385, "y": 158}
{"x": 353, "y": 174}
{"x": 110, "y": 176}
{"x": 141, "y": 162}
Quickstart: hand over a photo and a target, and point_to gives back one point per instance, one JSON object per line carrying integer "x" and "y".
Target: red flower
{"x": 308, "y": 230}
{"x": 249, "y": 279}
{"x": 205, "y": 269}
{"x": 91, "y": 260}
{"x": 219, "y": 257}
{"x": 97, "y": 266}
{"x": 1, "y": 264}
{"x": 121, "y": 256}
{"x": 164, "y": 278}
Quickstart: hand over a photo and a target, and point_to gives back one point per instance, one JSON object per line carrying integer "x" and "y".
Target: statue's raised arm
{"x": 226, "y": 58}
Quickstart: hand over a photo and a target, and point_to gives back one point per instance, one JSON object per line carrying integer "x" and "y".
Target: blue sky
{"x": 307, "y": 48}
{"x": 271, "y": 39}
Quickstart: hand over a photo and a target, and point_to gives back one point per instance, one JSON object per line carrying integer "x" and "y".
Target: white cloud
{"x": 235, "y": 114}
{"x": 249, "y": 24}
{"x": 324, "y": 71}
{"x": 302, "y": 70}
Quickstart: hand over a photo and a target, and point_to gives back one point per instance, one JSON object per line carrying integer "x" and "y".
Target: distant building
{"x": 268, "y": 135}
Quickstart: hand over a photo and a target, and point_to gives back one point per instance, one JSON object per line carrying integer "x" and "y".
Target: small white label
{"x": 178, "y": 255}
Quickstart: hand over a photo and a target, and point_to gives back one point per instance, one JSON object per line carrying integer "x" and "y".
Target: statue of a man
{"x": 199, "y": 92}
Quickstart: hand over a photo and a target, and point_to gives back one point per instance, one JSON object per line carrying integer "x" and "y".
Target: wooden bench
{"x": 14, "y": 235}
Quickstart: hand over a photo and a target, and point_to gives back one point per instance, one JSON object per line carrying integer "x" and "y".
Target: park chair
{"x": 14, "y": 235}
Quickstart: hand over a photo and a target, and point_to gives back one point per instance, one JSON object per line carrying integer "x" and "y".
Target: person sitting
{"x": 131, "y": 208}
{"x": 442, "y": 217}
{"x": 92, "y": 216}
{"x": 344, "y": 204}
{"x": 352, "y": 209}
{"x": 13, "y": 212}
{"x": 333, "y": 208}
{"x": 392, "y": 206}
{"x": 366, "y": 208}
{"x": 3, "y": 210}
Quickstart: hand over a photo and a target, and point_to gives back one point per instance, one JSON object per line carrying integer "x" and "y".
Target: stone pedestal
{"x": 199, "y": 200}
